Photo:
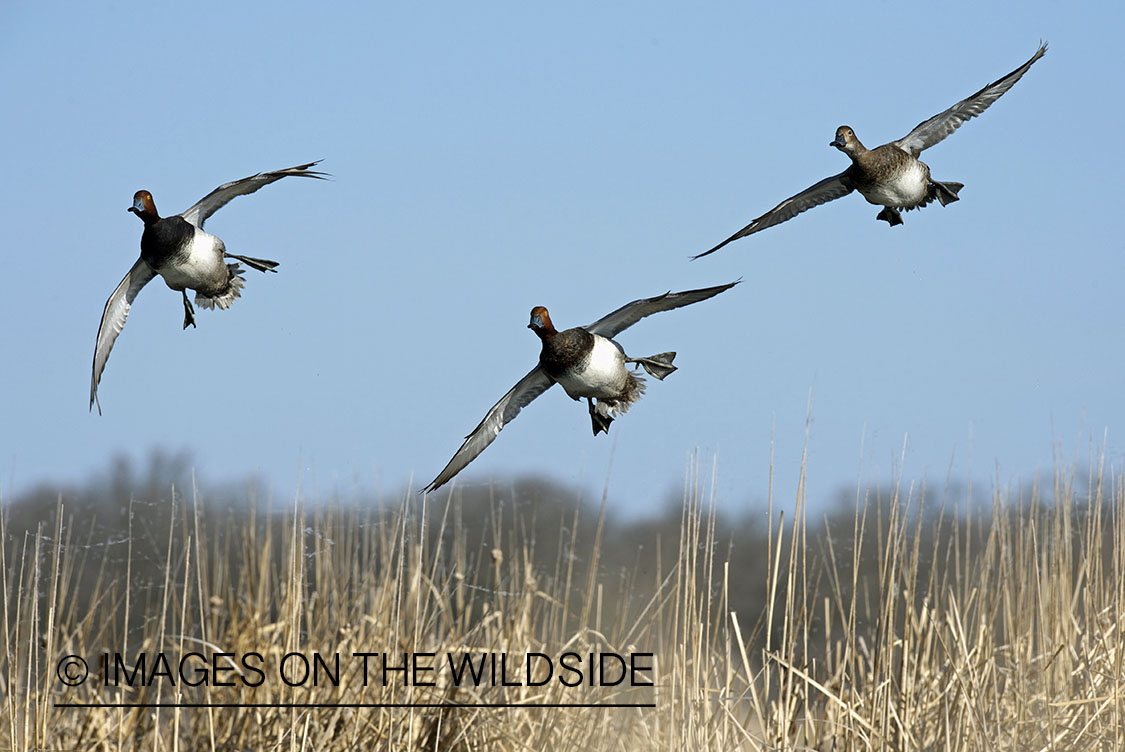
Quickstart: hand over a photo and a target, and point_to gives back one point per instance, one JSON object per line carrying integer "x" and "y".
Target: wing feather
{"x": 624, "y": 317}
{"x": 219, "y": 197}
{"x": 932, "y": 131}
{"x": 503, "y": 412}
{"x": 826, "y": 190}
{"x": 113, "y": 320}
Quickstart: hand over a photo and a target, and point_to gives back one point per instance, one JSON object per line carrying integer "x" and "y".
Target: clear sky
{"x": 490, "y": 157}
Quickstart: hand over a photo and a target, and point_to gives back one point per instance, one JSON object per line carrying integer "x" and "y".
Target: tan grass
{"x": 1005, "y": 634}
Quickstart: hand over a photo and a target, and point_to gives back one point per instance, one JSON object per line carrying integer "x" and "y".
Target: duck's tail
{"x": 225, "y": 296}
{"x": 262, "y": 265}
{"x": 946, "y": 193}
{"x": 658, "y": 366}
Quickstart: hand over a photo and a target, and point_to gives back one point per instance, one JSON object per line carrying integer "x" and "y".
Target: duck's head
{"x": 144, "y": 207}
{"x": 846, "y": 140}
{"x": 541, "y": 323}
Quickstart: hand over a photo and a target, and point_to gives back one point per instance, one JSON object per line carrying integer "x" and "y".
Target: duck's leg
{"x": 890, "y": 216}
{"x": 600, "y": 420}
{"x": 189, "y": 312}
{"x": 262, "y": 265}
{"x": 658, "y": 366}
{"x": 946, "y": 192}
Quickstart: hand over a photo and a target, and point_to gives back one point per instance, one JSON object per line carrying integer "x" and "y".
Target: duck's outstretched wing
{"x": 624, "y": 317}
{"x": 815, "y": 195}
{"x": 219, "y": 197}
{"x": 503, "y": 412}
{"x": 113, "y": 320}
{"x": 932, "y": 131}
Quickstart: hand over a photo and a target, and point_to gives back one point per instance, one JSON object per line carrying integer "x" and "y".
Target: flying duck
{"x": 178, "y": 249}
{"x": 890, "y": 175}
{"x": 588, "y": 364}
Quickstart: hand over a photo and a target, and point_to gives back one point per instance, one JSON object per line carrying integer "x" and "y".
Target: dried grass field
{"x": 915, "y": 621}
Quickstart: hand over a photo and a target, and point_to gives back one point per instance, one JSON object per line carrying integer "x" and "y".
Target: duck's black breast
{"x": 566, "y": 352}
{"x": 166, "y": 241}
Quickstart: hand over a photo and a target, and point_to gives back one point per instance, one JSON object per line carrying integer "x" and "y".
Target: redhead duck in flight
{"x": 589, "y": 365}
{"x": 178, "y": 249}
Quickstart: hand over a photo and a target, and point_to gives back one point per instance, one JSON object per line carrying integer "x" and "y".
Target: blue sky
{"x": 493, "y": 157}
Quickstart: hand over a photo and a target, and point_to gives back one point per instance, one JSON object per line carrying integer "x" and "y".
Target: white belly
{"x": 604, "y": 375}
{"x": 203, "y": 268}
{"x": 906, "y": 190}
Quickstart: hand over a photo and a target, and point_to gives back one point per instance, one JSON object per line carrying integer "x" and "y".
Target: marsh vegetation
{"x": 906, "y": 618}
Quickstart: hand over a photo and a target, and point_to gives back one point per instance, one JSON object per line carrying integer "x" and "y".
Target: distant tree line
{"x": 125, "y": 519}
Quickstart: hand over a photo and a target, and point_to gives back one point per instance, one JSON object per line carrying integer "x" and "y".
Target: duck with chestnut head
{"x": 589, "y": 365}
{"x": 187, "y": 257}
{"x": 592, "y": 367}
